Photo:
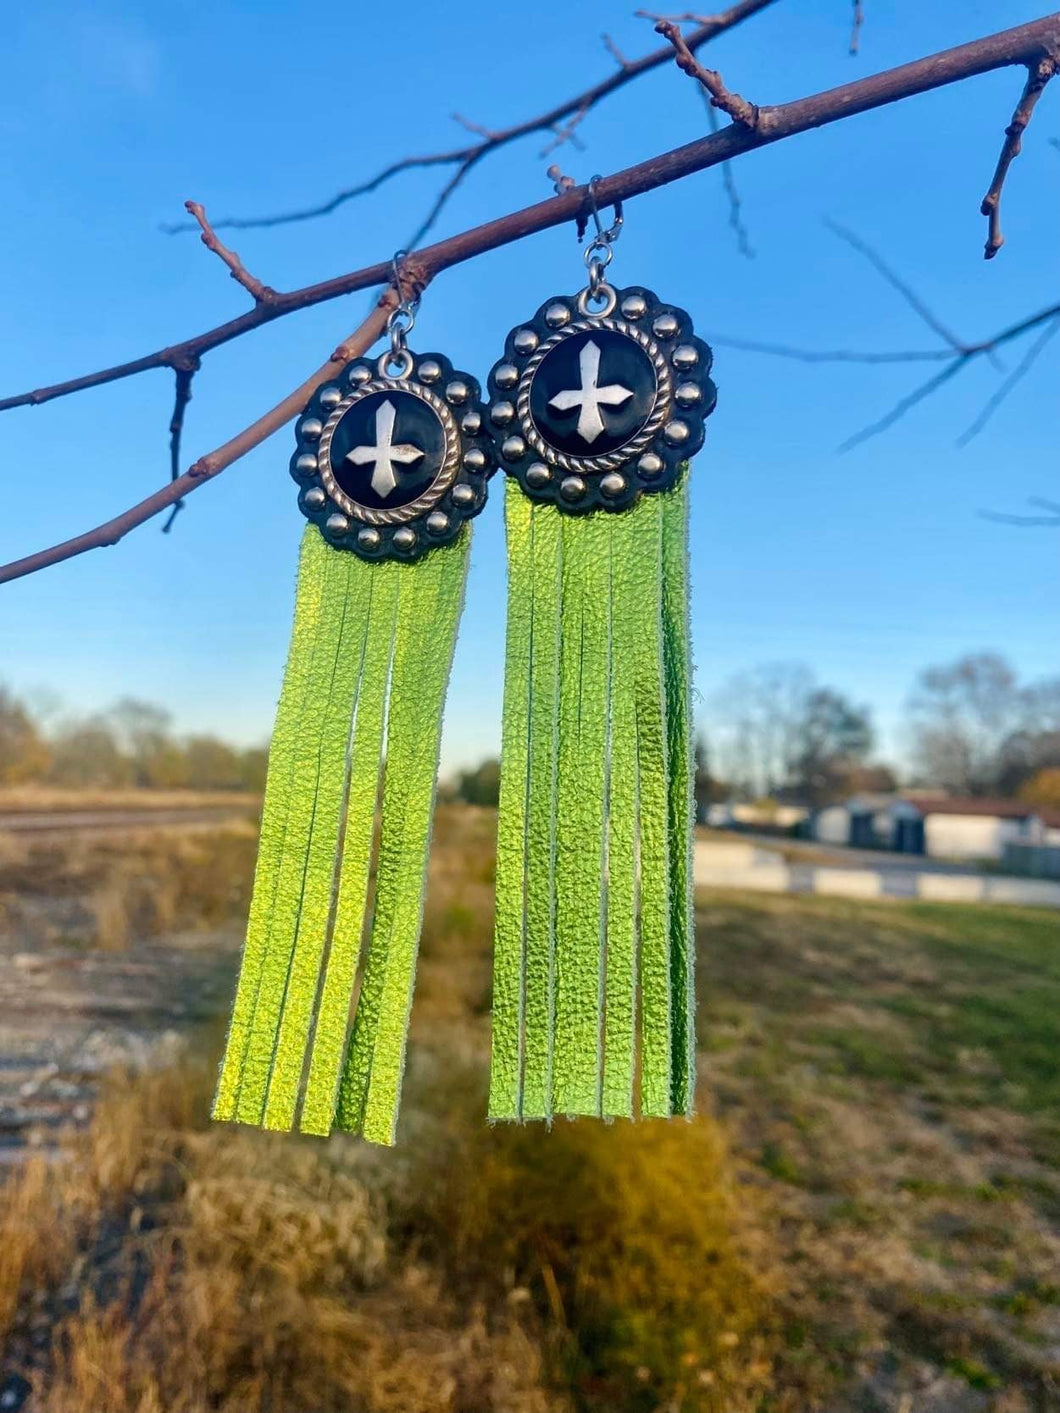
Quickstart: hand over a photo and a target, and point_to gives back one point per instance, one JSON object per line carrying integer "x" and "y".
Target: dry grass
{"x": 866, "y": 1218}
{"x": 110, "y": 889}
{"x": 476, "y": 1269}
{"x": 47, "y": 798}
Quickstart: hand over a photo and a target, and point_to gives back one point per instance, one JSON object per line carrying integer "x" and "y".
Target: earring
{"x": 596, "y": 406}
{"x": 391, "y": 461}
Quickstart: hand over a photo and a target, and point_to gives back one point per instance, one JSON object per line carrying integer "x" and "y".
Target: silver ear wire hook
{"x": 599, "y": 253}
{"x": 615, "y": 229}
{"x": 402, "y": 317}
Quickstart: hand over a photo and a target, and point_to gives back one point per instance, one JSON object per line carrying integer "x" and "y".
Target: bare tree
{"x": 759, "y": 717}
{"x": 835, "y": 738}
{"x": 776, "y": 731}
{"x": 976, "y": 730}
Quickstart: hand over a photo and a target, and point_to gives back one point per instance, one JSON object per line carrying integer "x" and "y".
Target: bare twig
{"x": 842, "y": 355}
{"x": 111, "y": 531}
{"x": 688, "y": 17}
{"x": 492, "y": 141}
{"x": 1038, "y": 75}
{"x": 1021, "y": 370}
{"x": 475, "y": 128}
{"x": 910, "y": 296}
{"x": 616, "y": 53}
{"x": 728, "y": 181}
{"x": 259, "y": 293}
{"x": 905, "y": 405}
{"x": 561, "y": 182}
{"x": 428, "y": 222}
{"x": 738, "y": 109}
{"x": 176, "y": 428}
{"x": 855, "y": 27}
{"x": 1050, "y": 519}
{"x": 565, "y": 133}
{"x": 957, "y": 364}
{"x": 915, "y": 302}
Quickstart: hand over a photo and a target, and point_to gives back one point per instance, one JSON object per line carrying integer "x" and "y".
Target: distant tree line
{"x": 776, "y": 732}
{"x": 130, "y": 744}
{"x": 974, "y": 729}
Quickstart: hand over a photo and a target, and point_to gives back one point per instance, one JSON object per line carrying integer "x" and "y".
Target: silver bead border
{"x": 447, "y": 474}
{"x": 622, "y": 455}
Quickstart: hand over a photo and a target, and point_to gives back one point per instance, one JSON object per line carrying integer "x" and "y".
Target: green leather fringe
{"x": 593, "y": 997}
{"x": 366, "y": 677}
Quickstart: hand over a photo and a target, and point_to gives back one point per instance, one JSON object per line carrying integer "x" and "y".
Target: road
{"x": 78, "y": 821}
{"x": 764, "y": 863}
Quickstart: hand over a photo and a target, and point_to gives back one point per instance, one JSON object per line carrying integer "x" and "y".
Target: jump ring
{"x": 602, "y": 291}
{"x": 399, "y": 359}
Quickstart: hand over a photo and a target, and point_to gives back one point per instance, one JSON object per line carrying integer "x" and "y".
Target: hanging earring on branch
{"x": 597, "y": 406}
{"x": 392, "y": 460}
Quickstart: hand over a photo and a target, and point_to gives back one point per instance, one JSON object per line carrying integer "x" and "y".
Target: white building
{"x": 940, "y": 826}
{"x": 976, "y": 829}
{"x": 872, "y": 822}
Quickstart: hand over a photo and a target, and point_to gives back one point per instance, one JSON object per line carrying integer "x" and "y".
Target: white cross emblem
{"x": 589, "y": 397}
{"x": 384, "y": 453}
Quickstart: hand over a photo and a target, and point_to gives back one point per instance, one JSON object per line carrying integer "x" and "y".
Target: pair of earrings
{"x": 593, "y": 412}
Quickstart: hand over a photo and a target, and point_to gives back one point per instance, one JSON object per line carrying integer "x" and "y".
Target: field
{"x": 866, "y": 1215}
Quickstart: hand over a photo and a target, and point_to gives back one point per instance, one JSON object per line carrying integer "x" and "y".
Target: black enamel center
{"x": 592, "y": 393}
{"x": 387, "y": 449}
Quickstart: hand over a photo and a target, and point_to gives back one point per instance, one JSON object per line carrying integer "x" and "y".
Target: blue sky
{"x": 866, "y": 565}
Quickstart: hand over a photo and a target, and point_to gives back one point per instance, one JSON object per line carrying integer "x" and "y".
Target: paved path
{"x": 755, "y": 866}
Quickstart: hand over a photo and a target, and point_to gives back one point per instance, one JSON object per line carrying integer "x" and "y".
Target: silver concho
{"x": 591, "y": 408}
{"x": 388, "y": 464}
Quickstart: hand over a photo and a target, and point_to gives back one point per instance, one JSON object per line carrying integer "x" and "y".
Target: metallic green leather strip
{"x": 654, "y": 804}
{"x": 366, "y": 749}
{"x": 303, "y": 978}
{"x": 681, "y": 769}
{"x": 308, "y": 604}
{"x": 435, "y": 613}
{"x": 539, "y": 980}
{"x": 287, "y": 901}
{"x": 620, "y": 979}
{"x": 505, "y": 1096}
{"x": 585, "y": 656}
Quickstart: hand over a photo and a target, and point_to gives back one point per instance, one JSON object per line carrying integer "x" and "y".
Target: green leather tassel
{"x": 593, "y": 985}
{"x": 366, "y": 678}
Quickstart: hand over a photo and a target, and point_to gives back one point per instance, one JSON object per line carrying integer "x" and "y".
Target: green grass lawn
{"x": 893, "y": 1073}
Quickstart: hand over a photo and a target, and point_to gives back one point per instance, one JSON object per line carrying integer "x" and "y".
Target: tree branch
{"x": 728, "y": 181}
{"x": 856, "y": 23}
{"x": 1050, "y": 519}
{"x": 910, "y": 296}
{"x": 493, "y": 140}
{"x": 956, "y": 365}
{"x": 738, "y": 109}
{"x": 616, "y": 53}
{"x": 1021, "y": 370}
{"x": 1025, "y": 44}
{"x": 1038, "y": 75}
{"x": 111, "y": 531}
{"x": 260, "y": 293}
{"x": 176, "y": 428}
